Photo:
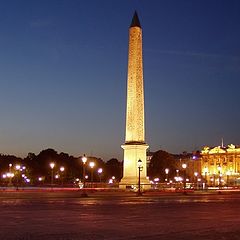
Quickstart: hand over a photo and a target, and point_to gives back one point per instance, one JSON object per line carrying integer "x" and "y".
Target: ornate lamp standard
{"x": 184, "y": 166}
{"x": 140, "y": 168}
{"x": 52, "y": 165}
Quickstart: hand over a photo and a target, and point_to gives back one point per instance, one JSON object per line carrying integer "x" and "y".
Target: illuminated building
{"x": 221, "y": 165}
{"x": 135, "y": 146}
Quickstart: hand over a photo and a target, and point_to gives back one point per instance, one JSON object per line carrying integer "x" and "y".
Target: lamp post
{"x": 219, "y": 176}
{"x": 91, "y": 165}
{"x": 52, "y": 165}
{"x": 205, "y": 176}
{"x": 62, "y": 169}
{"x": 10, "y": 174}
{"x": 84, "y": 160}
{"x": 140, "y": 167}
{"x": 177, "y": 177}
{"x": 17, "y": 169}
{"x": 228, "y": 173}
{"x": 166, "y": 172}
{"x": 100, "y": 170}
{"x": 184, "y": 166}
{"x": 214, "y": 179}
{"x": 195, "y": 180}
{"x": 4, "y": 176}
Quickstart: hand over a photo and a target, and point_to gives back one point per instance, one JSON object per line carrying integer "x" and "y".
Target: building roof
{"x": 218, "y": 150}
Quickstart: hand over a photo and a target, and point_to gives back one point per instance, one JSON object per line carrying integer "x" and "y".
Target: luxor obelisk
{"x": 135, "y": 146}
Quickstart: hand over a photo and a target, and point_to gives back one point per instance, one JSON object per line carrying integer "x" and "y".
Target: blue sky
{"x": 63, "y": 70}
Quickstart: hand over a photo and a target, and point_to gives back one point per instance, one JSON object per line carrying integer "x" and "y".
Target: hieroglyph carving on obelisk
{"x": 135, "y": 146}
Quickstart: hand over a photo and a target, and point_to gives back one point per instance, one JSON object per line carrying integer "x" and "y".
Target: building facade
{"x": 220, "y": 166}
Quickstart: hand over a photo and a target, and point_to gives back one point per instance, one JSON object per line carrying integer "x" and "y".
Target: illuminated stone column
{"x": 135, "y": 146}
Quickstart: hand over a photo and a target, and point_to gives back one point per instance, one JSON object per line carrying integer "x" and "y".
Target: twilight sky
{"x": 63, "y": 71}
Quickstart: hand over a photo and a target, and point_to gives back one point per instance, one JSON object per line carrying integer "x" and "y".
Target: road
{"x": 67, "y": 216}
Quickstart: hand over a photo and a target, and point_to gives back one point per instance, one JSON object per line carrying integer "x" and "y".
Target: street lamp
{"x": 195, "y": 179}
{"x": 52, "y": 165}
{"x": 140, "y": 168}
{"x": 62, "y": 169}
{"x": 205, "y": 176}
{"x": 91, "y": 165}
{"x": 184, "y": 166}
{"x": 84, "y": 160}
{"x": 177, "y": 177}
{"x": 17, "y": 169}
{"x": 10, "y": 174}
{"x": 100, "y": 170}
{"x": 166, "y": 171}
{"x": 219, "y": 176}
{"x": 228, "y": 173}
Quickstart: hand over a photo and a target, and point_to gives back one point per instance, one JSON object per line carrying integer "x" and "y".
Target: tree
{"x": 159, "y": 162}
{"x": 114, "y": 168}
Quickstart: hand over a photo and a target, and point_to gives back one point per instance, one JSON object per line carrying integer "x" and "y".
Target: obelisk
{"x": 135, "y": 146}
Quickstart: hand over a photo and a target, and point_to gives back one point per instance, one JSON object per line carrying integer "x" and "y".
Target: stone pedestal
{"x": 132, "y": 153}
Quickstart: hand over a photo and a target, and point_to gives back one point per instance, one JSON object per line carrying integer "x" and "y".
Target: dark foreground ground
{"x": 65, "y": 215}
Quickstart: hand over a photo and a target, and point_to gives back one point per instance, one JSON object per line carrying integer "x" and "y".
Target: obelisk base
{"x": 132, "y": 153}
{"x": 132, "y": 183}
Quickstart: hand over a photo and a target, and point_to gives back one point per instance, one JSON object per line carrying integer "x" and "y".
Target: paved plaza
{"x": 66, "y": 215}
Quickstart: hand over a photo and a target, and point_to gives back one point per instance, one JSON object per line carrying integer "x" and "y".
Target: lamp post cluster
{"x": 91, "y": 165}
{"x": 18, "y": 173}
{"x": 57, "y": 176}
{"x": 198, "y": 180}
{"x": 180, "y": 180}
{"x": 216, "y": 179}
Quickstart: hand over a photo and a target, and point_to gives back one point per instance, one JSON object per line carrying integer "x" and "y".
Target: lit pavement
{"x": 65, "y": 215}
